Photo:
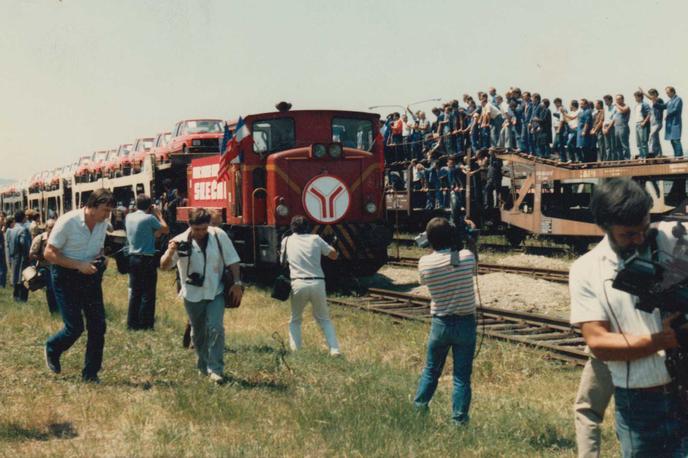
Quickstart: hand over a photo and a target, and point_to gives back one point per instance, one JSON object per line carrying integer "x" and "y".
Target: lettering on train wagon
{"x": 205, "y": 185}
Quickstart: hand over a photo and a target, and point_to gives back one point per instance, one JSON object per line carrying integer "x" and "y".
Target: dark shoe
{"x": 52, "y": 361}
{"x": 90, "y": 379}
{"x": 186, "y": 340}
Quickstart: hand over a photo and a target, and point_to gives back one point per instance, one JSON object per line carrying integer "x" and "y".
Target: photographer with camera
{"x": 75, "y": 249}
{"x": 448, "y": 274}
{"x": 201, "y": 254}
{"x": 143, "y": 226}
{"x": 631, "y": 342}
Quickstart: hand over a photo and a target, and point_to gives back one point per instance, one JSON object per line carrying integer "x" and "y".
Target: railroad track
{"x": 544, "y": 250}
{"x": 558, "y": 276}
{"x": 555, "y": 336}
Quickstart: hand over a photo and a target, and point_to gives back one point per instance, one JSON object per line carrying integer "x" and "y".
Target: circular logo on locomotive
{"x": 326, "y": 199}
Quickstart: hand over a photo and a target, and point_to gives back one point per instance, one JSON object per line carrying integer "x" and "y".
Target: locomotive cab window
{"x": 272, "y": 135}
{"x": 353, "y": 133}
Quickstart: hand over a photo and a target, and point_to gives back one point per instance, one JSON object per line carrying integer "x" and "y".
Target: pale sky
{"x": 83, "y": 75}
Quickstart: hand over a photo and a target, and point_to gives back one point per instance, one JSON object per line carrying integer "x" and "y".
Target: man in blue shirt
{"x": 674, "y": 107}
{"x": 19, "y": 244}
{"x": 142, "y": 229}
{"x": 642, "y": 124}
{"x": 622, "y": 133}
{"x": 656, "y": 119}
{"x": 583, "y": 137}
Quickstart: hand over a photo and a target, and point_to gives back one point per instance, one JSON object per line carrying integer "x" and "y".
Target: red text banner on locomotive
{"x": 204, "y": 189}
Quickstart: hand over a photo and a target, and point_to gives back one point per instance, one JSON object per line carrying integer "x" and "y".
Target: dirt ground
{"x": 509, "y": 291}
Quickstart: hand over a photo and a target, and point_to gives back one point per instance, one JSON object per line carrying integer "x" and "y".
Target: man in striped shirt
{"x": 449, "y": 277}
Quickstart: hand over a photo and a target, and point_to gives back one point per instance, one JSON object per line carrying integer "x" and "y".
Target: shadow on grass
{"x": 145, "y": 385}
{"x": 14, "y": 432}
{"x": 548, "y": 438}
{"x": 253, "y": 382}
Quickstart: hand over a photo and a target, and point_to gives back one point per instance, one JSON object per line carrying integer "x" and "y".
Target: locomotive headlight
{"x": 282, "y": 210}
{"x": 335, "y": 150}
{"x": 371, "y": 207}
{"x": 195, "y": 143}
{"x": 319, "y": 151}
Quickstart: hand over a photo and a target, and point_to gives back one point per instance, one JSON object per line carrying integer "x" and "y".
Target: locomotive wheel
{"x": 515, "y": 236}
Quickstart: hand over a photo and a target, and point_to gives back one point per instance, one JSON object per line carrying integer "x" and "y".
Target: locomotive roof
{"x": 282, "y": 114}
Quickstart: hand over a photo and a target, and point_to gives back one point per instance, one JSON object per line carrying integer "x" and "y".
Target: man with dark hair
{"x": 674, "y": 108}
{"x": 143, "y": 227}
{"x": 656, "y": 121}
{"x": 449, "y": 277}
{"x": 303, "y": 252}
{"x": 622, "y": 114}
{"x": 19, "y": 244}
{"x": 631, "y": 342}
{"x": 75, "y": 249}
{"x": 608, "y": 129}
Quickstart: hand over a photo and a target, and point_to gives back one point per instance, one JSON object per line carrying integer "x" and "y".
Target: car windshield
{"x": 165, "y": 138}
{"x": 84, "y": 160}
{"x": 353, "y": 133}
{"x": 273, "y": 135}
{"x": 148, "y": 143}
{"x": 202, "y": 126}
{"x": 100, "y": 155}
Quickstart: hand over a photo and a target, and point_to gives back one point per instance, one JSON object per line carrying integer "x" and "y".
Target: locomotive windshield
{"x": 352, "y": 132}
{"x": 272, "y": 135}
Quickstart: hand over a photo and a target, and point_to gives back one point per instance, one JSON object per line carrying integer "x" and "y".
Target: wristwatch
{"x": 240, "y": 284}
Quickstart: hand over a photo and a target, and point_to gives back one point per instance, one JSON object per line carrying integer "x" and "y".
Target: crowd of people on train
{"x": 585, "y": 130}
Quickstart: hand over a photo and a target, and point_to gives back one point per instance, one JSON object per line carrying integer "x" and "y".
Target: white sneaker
{"x": 216, "y": 378}
{"x": 335, "y": 352}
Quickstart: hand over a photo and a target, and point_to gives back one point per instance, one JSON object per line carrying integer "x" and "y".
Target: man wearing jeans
{"x": 142, "y": 230}
{"x": 631, "y": 342}
{"x": 673, "y": 107}
{"x": 449, "y": 277}
{"x": 75, "y": 248}
{"x": 622, "y": 133}
{"x": 642, "y": 124}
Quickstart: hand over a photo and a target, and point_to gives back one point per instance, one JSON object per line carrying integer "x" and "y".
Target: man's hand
{"x": 87, "y": 268}
{"x": 156, "y": 212}
{"x": 172, "y": 246}
{"x": 236, "y": 293}
{"x": 667, "y": 337}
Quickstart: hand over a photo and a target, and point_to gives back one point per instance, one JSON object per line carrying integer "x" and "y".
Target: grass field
{"x": 151, "y": 402}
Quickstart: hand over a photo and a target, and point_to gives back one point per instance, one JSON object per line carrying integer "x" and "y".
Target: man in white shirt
{"x": 75, "y": 249}
{"x": 631, "y": 342}
{"x": 303, "y": 252}
{"x": 608, "y": 129}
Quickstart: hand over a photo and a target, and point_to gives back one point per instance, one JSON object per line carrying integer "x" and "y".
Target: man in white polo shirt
{"x": 631, "y": 342}
{"x": 75, "y": 248}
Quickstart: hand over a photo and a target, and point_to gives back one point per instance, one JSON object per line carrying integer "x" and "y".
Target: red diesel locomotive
{"x": 324, "y": 164}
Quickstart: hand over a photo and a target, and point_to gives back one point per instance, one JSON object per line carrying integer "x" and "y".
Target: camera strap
{"x": 188, "y": 264}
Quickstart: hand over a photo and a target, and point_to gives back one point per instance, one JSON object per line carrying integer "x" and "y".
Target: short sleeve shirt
{"x": 73, "y": 238}
{"x": 211, "y": 263}
{"x": 141, "y": 227}
{"x": 594, "y": 299}
{"x": 303, "y": 254}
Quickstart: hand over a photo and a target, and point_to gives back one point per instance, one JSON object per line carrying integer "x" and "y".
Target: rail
{"x": 555, "y": 336}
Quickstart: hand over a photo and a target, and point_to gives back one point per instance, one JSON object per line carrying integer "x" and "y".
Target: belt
{"x": 665, "y": 389}
{"x": 309, "y": 278}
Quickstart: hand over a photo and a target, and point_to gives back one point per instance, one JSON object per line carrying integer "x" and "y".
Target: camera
{"x": 658, "y": 283}
{"x": 460, "y": 236}
{"x": 183, "y": 248}
{"x": 195, "y": 279}
{"x": 99, "y": 262}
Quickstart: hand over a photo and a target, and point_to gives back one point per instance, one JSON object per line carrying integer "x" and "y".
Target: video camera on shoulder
{"x": 462, "y": 236}
{"x": 658, "y": 283}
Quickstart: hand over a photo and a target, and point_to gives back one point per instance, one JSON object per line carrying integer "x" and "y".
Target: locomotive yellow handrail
{"x": 253, "y": 220}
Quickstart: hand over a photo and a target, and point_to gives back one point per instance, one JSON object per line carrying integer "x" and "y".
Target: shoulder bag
{"x": 227, "y": 279}
{"x": 282, "y": 286}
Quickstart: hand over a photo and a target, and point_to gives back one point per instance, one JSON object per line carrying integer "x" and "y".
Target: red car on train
{"x": 324, "y": 164}
{"x": 193, "y": 137}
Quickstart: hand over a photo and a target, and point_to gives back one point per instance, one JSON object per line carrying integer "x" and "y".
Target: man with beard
{"x": 631, "y": 342}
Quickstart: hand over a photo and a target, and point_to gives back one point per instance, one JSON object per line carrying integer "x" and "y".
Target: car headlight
{"x": 371, "y": 207}
{"x": 282, "y": 210}
{"x": 195, "y": 143}
{"x": 335, "y": 150}
{"x": 319, "y": 151}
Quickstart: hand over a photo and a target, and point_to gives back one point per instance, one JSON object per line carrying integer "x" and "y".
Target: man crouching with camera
{"x": 75, "y": 249}
{"x": 630, "y": 341}
{"x": 201, "y": 254}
